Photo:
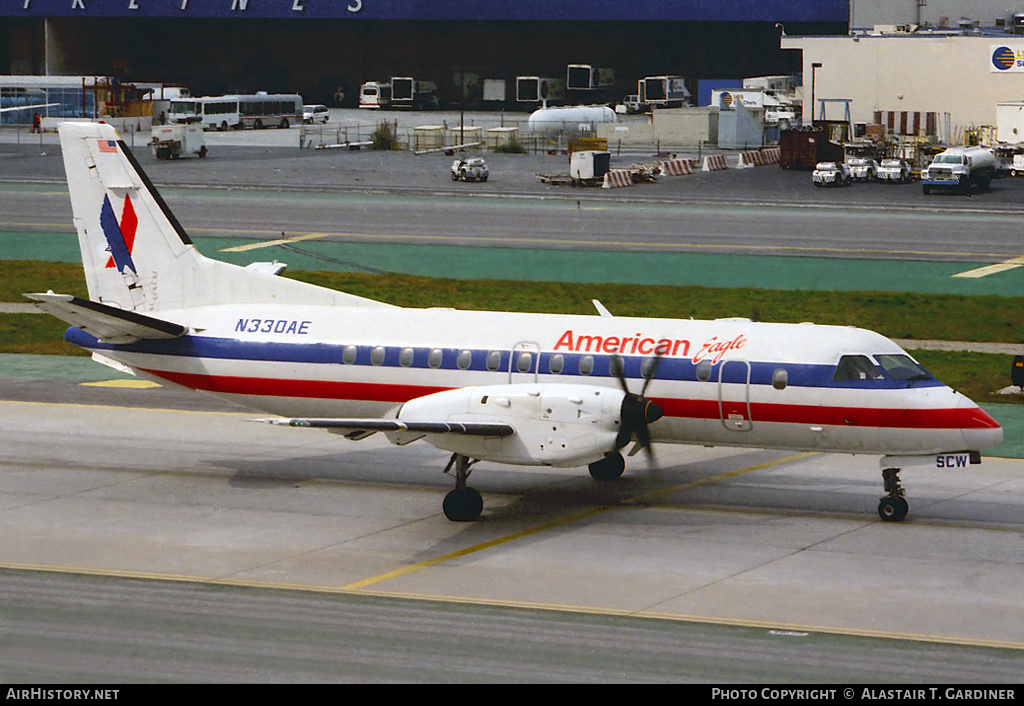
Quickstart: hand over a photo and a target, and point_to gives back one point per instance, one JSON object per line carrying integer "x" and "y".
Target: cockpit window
{"x": 902, "y": 367}
{"x": 856, "y": 367}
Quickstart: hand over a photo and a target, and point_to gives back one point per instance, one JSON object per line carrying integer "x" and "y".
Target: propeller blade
{"x": 650, "y": 373}
{"x": 638, "y": 412}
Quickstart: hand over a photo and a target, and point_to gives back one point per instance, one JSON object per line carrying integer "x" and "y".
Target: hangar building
{"x": 315, "y": 47}
{"x": 915, "y": 65}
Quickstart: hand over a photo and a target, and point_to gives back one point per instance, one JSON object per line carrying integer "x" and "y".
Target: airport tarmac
{"x": 727, "y": 537}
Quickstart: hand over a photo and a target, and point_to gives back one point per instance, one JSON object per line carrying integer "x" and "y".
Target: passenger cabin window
{"x": 586, "y": 365}
{"x": 464, "y": 360}
{"x": 494, "y": 360}
{"x": 616, "y": 365}
{"x": 348, "y": 355}
{"x": 557, "y": 363}
{"x": 405, "y": 358}
{"x": 377, "y": 355}
{"x": 902, "y": 367}
{"x": 780, "y": 379}
{"x": 524, "y": 362}
{"x": 856, "y": 367}
{"x": 435, "y": 357}
{"x": 704, "y": 370}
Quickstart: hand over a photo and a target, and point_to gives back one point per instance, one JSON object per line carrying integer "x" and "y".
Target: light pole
{"x": 814, "y": 69}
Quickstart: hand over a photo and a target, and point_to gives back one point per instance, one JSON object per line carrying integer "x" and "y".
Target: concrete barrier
{"x": 616, "y": 178}
{"x": 714, "y": 163}
{"x": 677, "y": 167}
{"x": 759, "y": 158}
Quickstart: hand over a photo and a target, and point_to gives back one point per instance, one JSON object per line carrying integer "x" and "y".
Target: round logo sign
{"x": 1003, "y": 58}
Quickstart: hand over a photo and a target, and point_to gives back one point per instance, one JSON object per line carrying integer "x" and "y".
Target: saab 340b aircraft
{"x": 511, "y": 388}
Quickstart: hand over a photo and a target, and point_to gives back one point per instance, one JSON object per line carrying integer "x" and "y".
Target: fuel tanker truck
{"x": 960, "y": 168}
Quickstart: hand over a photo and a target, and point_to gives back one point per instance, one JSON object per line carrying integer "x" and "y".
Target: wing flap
{"x": 107, "y": 323}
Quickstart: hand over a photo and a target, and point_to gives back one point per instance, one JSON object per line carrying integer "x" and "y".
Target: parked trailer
{"x": 176, "y": 141}
{"x": 539, "y": 89}
{"x": 585, "y": 77}
{"x": 588, "y": 167}
{"x": 494, "y": 90}
{"x": 408, "y": 92}
{"x": 663, "y": 92}
{"x": 805, "y": 147}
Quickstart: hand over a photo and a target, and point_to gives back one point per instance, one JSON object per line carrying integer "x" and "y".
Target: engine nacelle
{"x": 556, "y": 424}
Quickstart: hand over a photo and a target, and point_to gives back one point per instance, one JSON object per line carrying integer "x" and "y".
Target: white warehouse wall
{"x": 943, "y": 74}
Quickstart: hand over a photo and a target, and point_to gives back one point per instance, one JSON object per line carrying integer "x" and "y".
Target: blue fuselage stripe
{"x": 684, "y": 369}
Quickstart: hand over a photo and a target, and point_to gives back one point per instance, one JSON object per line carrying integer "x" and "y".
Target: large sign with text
{"x": 1007, "y": 58}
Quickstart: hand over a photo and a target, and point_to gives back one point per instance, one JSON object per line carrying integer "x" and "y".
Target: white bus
{"x": 375, "y": 94}
{"x": 255, "y": 111}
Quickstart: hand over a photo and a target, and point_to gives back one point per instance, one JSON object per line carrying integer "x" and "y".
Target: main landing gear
{"x": 893, "y": 507}
{"x": 464, "y": 504}
{"x": 608, "y": 468}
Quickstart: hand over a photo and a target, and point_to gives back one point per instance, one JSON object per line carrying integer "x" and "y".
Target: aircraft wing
{"x": 361, "y": 428}
{"x": 26, "y": 107}
{"x": 107, "y": 323}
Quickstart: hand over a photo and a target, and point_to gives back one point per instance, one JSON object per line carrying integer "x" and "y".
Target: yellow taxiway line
{"x": 427, "y": 563}
{"x": 992, "y": 269}
{"x": 272, "y": 243}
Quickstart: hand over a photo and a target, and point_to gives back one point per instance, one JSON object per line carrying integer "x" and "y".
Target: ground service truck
{"x": 960, "y": 168}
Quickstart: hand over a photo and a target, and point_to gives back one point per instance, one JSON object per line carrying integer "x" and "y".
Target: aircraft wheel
{"x": 608, "y": 468}
{"x": 893, "y": 509}
{"x": 463, "y": 505}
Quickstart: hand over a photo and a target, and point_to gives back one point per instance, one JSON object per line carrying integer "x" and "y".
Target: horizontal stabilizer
{"x": 398, "y": 425}
{"x": 107, "y": 323}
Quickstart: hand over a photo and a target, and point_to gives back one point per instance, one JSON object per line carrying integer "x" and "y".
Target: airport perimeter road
{"x": 258, "y": 193}
{"x": 743, "y": 565}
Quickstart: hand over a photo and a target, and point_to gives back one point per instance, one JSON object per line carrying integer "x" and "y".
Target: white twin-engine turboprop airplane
{"x": 523, "y": 389}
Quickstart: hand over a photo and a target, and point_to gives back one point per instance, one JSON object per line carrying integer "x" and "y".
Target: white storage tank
{"x": 570, "y": 118}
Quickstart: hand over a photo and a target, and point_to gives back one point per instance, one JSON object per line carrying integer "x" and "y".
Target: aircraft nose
{"x": 979, "y": 429}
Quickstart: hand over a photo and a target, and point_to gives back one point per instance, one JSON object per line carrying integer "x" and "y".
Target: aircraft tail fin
{"x": 137, "y": 256}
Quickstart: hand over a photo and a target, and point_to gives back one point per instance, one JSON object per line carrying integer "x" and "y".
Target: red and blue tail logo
{"x": 120, "y": 236}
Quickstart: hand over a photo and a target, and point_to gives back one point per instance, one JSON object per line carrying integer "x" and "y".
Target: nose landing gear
{"x": 893, "y": 507}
